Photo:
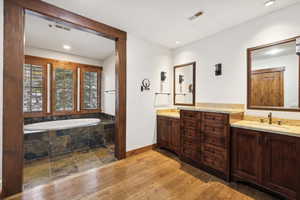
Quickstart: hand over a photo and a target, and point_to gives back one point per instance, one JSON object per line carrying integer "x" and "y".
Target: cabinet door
{"x": 191, "y": 149}
{"x": 280, "y": 164}
{"x": 175, "y": 135}
{"x": 246, "y": 154}
{"x": 163, "y": 131}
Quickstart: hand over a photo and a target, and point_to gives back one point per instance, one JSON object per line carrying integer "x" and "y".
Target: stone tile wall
{"x": 56, "y": 143}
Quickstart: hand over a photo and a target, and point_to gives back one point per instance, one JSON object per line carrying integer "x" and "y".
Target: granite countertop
{"x": 212, "y": 109}
{"x": 265, "y": 127}
{"x": 169, "y": 114}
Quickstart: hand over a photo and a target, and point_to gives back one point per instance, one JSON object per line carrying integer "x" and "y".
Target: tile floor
{"x": 41, "y": 172}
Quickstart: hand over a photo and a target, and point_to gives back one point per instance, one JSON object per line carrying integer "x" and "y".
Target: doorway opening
{"x": 68, "y": 101}
{"x": 56, "y": 92}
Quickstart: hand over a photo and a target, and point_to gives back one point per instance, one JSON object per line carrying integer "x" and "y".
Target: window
{"x": 64, "y": 79}
{"x": 53, "y": 87}
{"x": 90, "y": 88}
{"x": 34, "y": 95}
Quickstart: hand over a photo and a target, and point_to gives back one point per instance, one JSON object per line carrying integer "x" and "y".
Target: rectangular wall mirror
{"x": 184, "y": 84}
{"x": 273, "y": 76}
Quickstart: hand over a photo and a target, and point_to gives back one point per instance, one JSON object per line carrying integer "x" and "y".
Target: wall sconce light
{"x": 181, "y": 79}
{"x": 218, "y": 70}
{"x": 145, "y": 85}
{"x": 163, "y": 76}
{"x": 191, "y": 88}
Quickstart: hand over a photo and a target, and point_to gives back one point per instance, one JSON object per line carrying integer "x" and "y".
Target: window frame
{"x": 56, "y": 64}
{"x": 89, "y": 68}
{"x": 77, "y": 98}
{"x": 33, "y": 60}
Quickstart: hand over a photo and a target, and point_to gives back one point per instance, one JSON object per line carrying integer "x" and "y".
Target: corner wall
{"x": 229, "y": 48}
{"x": 144, "y": 60}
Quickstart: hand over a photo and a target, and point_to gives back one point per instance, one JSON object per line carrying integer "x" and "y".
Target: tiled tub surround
{"x": 102, "y": 116}
{"x": 60, "y": 125}
{"x": 55, "y": 154}
{"x": 56, "y": 143}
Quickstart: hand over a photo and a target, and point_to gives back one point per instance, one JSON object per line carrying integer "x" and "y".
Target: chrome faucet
{"x": 270, "y": 117}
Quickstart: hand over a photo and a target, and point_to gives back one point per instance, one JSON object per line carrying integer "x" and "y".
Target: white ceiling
{"x": 38, "y": 34}
{"x": 165, "y": 21}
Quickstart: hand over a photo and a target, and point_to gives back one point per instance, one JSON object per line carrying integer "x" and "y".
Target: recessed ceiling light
{"x": 66, "y": 47}
{"x": 177, "y": 42}
{"x": 269, "y": 3}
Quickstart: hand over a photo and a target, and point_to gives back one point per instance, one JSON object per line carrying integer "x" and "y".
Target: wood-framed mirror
{"x": 273, "y": 76}
{"x": 184, "y": 84}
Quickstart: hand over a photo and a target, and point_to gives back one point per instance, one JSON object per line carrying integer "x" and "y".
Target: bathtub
{"x": 60, "y": 125}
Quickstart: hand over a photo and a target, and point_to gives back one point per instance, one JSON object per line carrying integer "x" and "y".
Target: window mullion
{"x": 30, "y": 96}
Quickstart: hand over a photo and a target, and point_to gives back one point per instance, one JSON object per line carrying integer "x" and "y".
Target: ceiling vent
{"x": 195, "y": 16}
{"x": 59, "y": 27}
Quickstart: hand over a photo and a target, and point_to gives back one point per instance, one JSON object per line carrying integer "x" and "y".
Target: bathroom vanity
{"x": 205, "y": 139}
{"x": 266, "y": 158}
{"x": 221, "y": 142}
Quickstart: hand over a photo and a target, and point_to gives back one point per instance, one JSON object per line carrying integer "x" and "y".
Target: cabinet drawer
{"x": 215, "y": 151}
{"x": 190, "y": 123}
{"x": 184, "y": 114}
{"x": 214, "y": 161}
{"x": 216, "y": 129}
{"x": 191, "y": 149}
{"x": 191, "y": 133}
{"x": 191, "y": 143}
{"x": 212, "y": 139}
{"x": 214, "y": 117}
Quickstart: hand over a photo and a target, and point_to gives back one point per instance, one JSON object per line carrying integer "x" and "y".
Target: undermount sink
{"x": 270, "y": 126}
{"x": 255, "y": 125}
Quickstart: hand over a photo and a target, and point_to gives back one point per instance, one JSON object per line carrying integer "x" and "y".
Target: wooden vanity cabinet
{"x": 205, "y": 141}
{"x": 215, "y": 131}
{"x": 246, "y": 154}
{"x": 168, "y": 133}
{"x": 268, "y": 160}
{"x": 175, "y": 136}
{"x": 190, "y": 123}
{"x": 280, "y": 169}
{"x": 163, "y": 131}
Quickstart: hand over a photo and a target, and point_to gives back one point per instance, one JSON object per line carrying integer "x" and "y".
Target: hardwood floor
{"x": 151, "y": 175}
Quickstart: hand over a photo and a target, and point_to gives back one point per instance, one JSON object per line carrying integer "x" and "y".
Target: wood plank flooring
{"x": 151, "y": 175}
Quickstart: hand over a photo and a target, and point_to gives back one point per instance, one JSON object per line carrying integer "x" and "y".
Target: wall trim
{"x": 140, "y": 150}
